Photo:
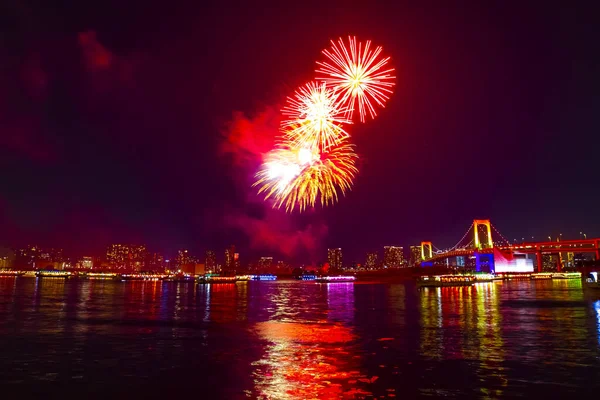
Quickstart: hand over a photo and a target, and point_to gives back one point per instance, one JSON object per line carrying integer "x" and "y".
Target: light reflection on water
{"x": 289, "y": 339}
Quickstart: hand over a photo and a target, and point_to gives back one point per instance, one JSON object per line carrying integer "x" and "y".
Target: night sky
{"x": 127, "y": 121}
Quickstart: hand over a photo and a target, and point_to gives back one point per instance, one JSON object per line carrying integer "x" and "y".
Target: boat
{"x": 11, "y": 273}
{"x": 102, "y": 275}
{"x": 186, "y": 278}
{"x": 306, "y": 277}
{"x": 243, "y": 278}
{"x": 484, "y": 278}
{"x": 52, "y": 273}
{"x": 446, "y": 280}
{"x": 566, "y": 275}
{"x": 264, "y": 277}
{"x": 514, "y": 276}
{"x": 335, "y": 279}
{"x": 143, "y": 277}
{"x": 214, "y": 278}
{"x": 591, "y": 280}
{"x": 541, "y": 275}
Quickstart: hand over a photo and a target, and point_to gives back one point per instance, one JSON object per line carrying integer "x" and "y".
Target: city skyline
{"x": 118, "y": 254}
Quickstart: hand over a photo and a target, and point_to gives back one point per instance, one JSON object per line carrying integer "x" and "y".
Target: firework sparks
{"x": 359, "y": 73}
{"x": 302, "y": 177}
{"x": 314, "y": 116}
{"x": 315, "y": 162}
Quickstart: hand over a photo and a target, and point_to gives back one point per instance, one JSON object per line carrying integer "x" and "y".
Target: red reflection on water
{"x": 306, "y": 361}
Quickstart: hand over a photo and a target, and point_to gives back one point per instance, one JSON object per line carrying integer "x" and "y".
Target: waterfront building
{"x": 210, "y": 261}
{"x": 371, "y": 261}
{"x": 123, "y": 256}
{"x": 334, "y": 258}
{"x": 265, "y": 263}
{"x": 229, "y": 266}
{"x": 393, "y": 257}
{"x": 415, "y": 256}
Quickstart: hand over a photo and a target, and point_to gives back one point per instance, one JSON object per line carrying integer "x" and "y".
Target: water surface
{"x": 298, "y": 340}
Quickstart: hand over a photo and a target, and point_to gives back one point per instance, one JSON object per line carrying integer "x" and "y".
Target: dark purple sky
{"x": 113, "y": 116}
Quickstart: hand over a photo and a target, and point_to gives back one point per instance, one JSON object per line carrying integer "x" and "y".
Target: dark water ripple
{"x": 298, "y": 340}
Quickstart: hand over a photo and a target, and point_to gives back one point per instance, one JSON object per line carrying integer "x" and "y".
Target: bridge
{"x": 478, "y": 245}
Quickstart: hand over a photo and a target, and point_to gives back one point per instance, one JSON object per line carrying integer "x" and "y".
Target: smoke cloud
{"x": 245, "y": 142}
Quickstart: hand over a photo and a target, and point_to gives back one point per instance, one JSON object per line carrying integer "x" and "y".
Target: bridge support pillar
{"x": 597, "y": 254}
{"x": 540, "y": 261}
{"x": 559, "y": 263}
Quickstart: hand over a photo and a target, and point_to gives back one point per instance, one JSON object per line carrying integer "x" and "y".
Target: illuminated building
{"x": 550, "y": 262}
{"x": 7, "y": 257}
{"x": 568, "y": 260}
{"x": 155, "y": 262}
{"x": 35, "y": 256}
{"x": 334, "y": 258}
{"x": 415, "y": 255}
{"x": 265, "y": 263}
{"x": 282, "y": 266}
{"x": 86, "y": 262}
{"x": 210, "y": 261}
{"x": 371, "y": 261}
{"x": 229, "y": 259}
{"x": 183, "y": 257}
{"x": 578, "y": 259}
{"x": 122, "y": 256}
{"x": 393, "y": 257}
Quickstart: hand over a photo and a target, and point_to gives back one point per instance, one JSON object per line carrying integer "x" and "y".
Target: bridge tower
{"x": 429, "y": 252}
{"x": 486, "y": 223}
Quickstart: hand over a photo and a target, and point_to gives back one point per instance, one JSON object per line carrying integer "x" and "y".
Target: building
{"x": 36, "y": 257}
{"x": 393, "y": 257}
{"x": 550, "y": 262}
{"x": 230, "y": 259}
{"x": 183, "y": 257}
{"x": 371, "y": 261}
{"x": 334, "y": 258}
{"x": 415, "y": 256}
{"x": 86, "y": 262}
{"x": 7, "y": 257}
{"x": 155, "y": 262}
{"x": 265, "y": 263}
{"x": 210, "y": 261}
{"x": 200, "y": 269}
{"x": 128, "y": 257}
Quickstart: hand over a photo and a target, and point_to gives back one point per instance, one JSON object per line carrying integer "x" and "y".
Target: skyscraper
{"x": 371, "y": 261}
{"x": 393, "y": 257}
{"x": 334, "y": 258}
{"x": 210, "y": 261}
{"x": 415, "y": 255}
{"x": 229, "y": 259}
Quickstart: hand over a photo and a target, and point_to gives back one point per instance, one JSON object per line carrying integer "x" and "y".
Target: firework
{"x": 300, "y": 177}
{"x": 314, "y": 117}
{"x": 359, "y": 74}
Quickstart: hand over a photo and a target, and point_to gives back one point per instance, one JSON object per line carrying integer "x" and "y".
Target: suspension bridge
{"x": 494, "y": 253}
